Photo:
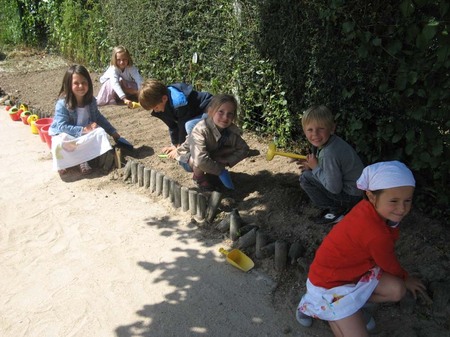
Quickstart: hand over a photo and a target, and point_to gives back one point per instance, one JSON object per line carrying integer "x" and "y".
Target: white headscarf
{"x": 386, "y": 174}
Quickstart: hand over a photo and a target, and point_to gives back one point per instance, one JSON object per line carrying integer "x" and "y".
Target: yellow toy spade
{"x": 238, "y": 259}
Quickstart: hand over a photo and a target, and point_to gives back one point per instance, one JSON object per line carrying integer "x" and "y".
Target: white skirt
{"x": 68, "y": 151}
{"x": 339, "y": 302}
{"x": 107, "y": 95}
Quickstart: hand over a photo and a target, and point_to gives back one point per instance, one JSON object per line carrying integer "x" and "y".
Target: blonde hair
{"x": 320, "y": 114}
{"x": 120, "y": 49}
{"x": 218, "y": 100}
{"x": 151, "y": 93}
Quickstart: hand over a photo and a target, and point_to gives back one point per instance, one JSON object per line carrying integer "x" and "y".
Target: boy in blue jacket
{"x": 178, "y": 105}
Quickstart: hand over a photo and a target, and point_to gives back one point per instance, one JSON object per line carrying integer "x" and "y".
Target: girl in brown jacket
{"x": 214, "y": 144}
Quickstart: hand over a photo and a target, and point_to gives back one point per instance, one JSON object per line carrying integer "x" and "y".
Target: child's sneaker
{"x": 368, "y": 319}
{"x": 330, "y": 217}
{"x": 202, "y": 182}
{"x": 303, "y": 319}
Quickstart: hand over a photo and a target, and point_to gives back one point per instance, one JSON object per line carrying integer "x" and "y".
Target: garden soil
{"x": 267, "y": 195}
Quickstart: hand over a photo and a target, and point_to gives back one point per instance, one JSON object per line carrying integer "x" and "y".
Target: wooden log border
{"x": 204, "y": 209}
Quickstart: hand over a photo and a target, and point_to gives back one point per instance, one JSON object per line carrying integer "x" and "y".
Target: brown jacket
{"x": 207, "y": 152}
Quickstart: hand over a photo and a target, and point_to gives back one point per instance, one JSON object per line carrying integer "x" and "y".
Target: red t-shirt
{"x": 356, "y": 244}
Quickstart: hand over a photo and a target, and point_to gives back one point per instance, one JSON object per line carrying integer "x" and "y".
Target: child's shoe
{"x": 303, "y": 319}
{"x": 368, "y": 319}
{"x": 330, "y": 217}
{"x": 85, "y": 168}
{"x": 202, "y": 182}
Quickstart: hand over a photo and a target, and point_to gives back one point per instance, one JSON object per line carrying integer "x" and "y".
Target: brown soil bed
{"x": 268, "y": 195}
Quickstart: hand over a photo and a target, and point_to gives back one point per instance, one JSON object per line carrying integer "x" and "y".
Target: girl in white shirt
{"x": 121, "y": 82}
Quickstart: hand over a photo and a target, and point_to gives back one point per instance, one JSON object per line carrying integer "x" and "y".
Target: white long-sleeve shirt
{"x": 131, "y": 73}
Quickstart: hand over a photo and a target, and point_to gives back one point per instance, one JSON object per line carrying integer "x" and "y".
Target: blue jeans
{"x": 190, "y": 124}
{"x": 324, "y": 199}
{"x": 186, "y": 166}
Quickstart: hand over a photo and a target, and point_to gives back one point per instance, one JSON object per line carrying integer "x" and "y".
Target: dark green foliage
{"x": 381, "y": 66}
{"x": 10, "y": 28}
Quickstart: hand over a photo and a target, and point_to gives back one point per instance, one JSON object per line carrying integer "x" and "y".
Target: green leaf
{"x": 443, "y": 7}
{"x": 347, "y": 94}
{"x": 412, "y": 77}
{"x": 443, "y": 53}
{"x": 425, "y": 157}
{"x": 356, "y": 125}
{"x": 400, "y": 81}
{"x": 348, "y": 26}
{"x": 437, "y": 149}
{"x": 394, "y": 47}
{"x": 429, "y": 31}
{"x": 409, "y": 148}
{"x": 376, "y": 42}
{"x": 383, "y": 87}
{"x": 396, "y": 138}
{"x": 407, "y": 8}
{"x": 410, "y": 135}
{"x": 362, "y": 51}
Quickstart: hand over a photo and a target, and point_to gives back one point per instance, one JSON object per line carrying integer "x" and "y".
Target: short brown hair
{"x": 318, "y": 113}
{"x": 151, "y": 93}
{"x": 120, "y": 49}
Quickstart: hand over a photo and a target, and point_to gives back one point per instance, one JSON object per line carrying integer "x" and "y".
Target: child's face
{"x": 317, "y": 133}
{"x": 160, "y": 107}
{"x": 80, "y": 86}
{"x": 392, "y": 203}
{"x": 224, "y": 116}
{"x": 121, "y": 60}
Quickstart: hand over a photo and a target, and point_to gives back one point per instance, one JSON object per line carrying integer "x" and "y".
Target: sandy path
{"x": 95, "y": 258}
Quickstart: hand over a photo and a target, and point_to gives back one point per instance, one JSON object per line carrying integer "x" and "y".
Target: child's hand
{"x": 311, "y": 161}
{"x": 90, "y": 127}
{"x": 171, "y": 151}
{"x": 128, "y": 102}
{"x": 301, "y": 164}
{"x": 414, "y": 285}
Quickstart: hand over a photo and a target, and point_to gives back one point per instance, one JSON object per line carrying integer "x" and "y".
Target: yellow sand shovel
{"x": 238, "y": 259}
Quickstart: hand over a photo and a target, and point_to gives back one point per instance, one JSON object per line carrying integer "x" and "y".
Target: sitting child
{"x": 121, "y": 82}
{"x": 214, "y": 144}
{"x": 79, "y": 131}
{"x": 329, "y": 177}
{"x": 356, "y": 261}
{"x": 178, "y": 105}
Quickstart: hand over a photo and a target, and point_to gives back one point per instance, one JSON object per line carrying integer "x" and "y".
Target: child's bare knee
{"x": 398, "y": 291}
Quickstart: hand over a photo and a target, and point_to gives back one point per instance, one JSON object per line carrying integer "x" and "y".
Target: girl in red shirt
{"x": 356, "y": 261}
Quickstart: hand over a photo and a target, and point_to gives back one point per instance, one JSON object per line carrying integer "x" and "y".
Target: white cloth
{"x": 68, "y": 151}
{"x": 339, "y": 302}
{"x": 386, "y": 174}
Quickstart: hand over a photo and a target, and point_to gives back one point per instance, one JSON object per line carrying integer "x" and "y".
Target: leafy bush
{"x": 382, "y": 66}
{"x": 10, "y": 28}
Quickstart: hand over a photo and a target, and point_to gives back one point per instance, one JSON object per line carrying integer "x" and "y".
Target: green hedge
{"x": 383, "y": 66}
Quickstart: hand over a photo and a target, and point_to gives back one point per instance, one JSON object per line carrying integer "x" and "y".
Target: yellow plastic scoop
{"x": 238, "y": 259}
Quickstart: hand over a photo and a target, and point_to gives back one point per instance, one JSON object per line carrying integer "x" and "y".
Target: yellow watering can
{"x": 272, "y": 152}
{"x": 32, "y": 121}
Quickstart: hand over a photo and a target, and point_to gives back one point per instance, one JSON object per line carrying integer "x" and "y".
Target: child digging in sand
{"x": 356, "y": 262}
